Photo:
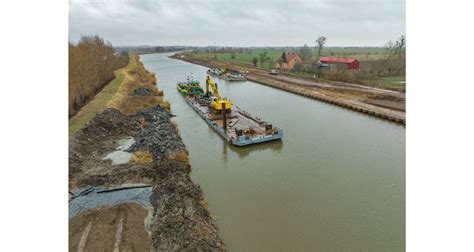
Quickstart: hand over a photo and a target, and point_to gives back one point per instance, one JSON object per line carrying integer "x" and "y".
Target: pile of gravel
{"x": 142, "y": 92}
{"x": 160, "y": 137}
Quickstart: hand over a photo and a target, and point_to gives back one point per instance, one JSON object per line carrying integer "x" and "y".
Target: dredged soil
{"x": 179, "y": 218}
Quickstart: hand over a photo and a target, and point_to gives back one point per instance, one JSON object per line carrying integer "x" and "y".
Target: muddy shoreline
{"x": 383, "y": 104}
{"x": 178, "y": 218}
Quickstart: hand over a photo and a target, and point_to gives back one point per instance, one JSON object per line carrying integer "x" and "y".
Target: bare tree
{"x": 263, "y": 57}
{"x": 320, "y": 44}
{"x": 305, "y": 53}
{"x": 396, "y": 49}
{"x": 389, "y": 48}
{"x": 400, "y": 46}
{"x": 271, "y": 62}
{"x": 254, "y": 61}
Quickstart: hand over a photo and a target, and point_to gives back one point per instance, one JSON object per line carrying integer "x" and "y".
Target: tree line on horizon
{"x": 92, "y": 62}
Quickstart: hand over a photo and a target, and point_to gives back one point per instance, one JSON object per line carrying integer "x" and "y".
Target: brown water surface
{"x": 335, "y": 182}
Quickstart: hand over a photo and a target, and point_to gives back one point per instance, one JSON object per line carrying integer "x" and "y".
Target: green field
{"x": 240, "y": 58}
{"x": 360, "y": 53}
{"x": 394, "y": 83}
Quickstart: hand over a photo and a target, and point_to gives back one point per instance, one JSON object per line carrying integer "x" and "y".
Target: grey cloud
{"x": 238, "y": 22}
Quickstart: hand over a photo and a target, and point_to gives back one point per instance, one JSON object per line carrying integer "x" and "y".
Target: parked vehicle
{"x": 274, "y": 71}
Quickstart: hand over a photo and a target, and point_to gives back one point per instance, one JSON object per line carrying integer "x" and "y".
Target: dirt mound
{"x": 152, "y": 130}
{"x": 181, "y": 220}
{"x": 97, "y": 138}
{"x": 142, "y": 92}
{"x": 109, "y": 228}
{"x": 109, "y": 122}
{"x": 109, "y": 175}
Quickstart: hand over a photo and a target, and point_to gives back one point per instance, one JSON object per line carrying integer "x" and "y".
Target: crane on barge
{"x": 217, "y": 102}
{"x": 236, "y": 126}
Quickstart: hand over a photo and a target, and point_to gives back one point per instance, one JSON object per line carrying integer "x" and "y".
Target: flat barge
{"x": 230, "y": 122}
{"x": 226, "y": 74}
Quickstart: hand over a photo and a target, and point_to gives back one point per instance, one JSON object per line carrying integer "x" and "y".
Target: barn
{"x": 350, "y": 63}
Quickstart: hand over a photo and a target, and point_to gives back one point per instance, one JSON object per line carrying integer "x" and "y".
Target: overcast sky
{"x": 238, "y": 22}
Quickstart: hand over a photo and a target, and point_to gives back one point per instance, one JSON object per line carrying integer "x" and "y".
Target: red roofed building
{"x": 287, "y": 60}
{"x": 350, "y": 63}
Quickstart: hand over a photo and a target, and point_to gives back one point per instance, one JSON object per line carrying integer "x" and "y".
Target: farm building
{"x": 350, "y": 63}
{"x": 287, "y": 60}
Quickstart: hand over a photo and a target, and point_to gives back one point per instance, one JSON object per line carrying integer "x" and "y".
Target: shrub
{"x": 141, "y": 157}
{"x": 180, "y": 156}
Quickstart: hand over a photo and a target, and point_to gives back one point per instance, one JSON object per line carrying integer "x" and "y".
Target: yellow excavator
{"x": 225, "y": 70}
{"x": 217, "y": 102}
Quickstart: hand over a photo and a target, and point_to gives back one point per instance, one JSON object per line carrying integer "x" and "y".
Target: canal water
{"x": 335, "y": 182}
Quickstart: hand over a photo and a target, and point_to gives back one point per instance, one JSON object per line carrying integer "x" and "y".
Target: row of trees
{"x": 92, "y": 62}
{"x": 153, "y": 49}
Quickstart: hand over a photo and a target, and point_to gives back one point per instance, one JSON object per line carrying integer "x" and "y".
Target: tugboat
{"x": 190, "y": 87}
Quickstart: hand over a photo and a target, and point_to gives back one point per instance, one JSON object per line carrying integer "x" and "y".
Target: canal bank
{"x": 385, "y": 104}
{"x": 129, "y": 182}
{"x": 335, "y": 182}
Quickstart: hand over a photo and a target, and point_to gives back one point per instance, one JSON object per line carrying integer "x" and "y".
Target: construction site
{"x": 129, "y": 183}
{"x": 136, "y": 159}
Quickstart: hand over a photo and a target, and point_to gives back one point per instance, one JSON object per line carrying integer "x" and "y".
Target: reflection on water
{"x": 335, "y": 182}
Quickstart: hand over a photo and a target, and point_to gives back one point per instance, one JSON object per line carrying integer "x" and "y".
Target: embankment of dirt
{"x": 180, "y": 218}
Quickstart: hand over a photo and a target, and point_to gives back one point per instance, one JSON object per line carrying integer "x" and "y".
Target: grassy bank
{"x": 137, "y": 77}
{"x": 97, "y": 104}
{"x": 116, "y": 94}
{"x": 394, "y": 82}
{"x": 92, "y": 63}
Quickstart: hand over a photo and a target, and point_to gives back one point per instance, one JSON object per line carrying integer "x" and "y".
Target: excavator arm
{"x": 213, "y": 86}
{"x": 219, "y": 103}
